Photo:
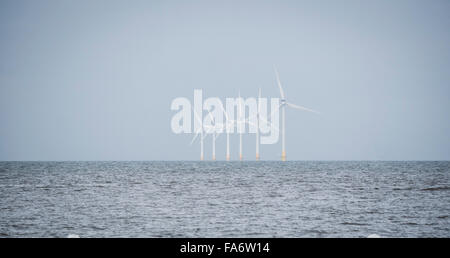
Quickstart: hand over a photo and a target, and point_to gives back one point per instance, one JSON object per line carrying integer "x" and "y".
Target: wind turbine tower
{"x": 283, "y": 105}
{"x": 197, "y": 133}
{"x": 257, "y": 124}
{"x": 240, "y": 123}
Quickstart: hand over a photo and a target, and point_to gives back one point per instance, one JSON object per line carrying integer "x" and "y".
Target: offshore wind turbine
{"x": 214, "y": 136}
{"x": 241, "y": 157}
{"x": 228, "y": 124}
{"x": 233, "y": 123}
{"x": 203, "y": 136}
{"x": 257, "y": 124}
{"x": 247, "y": 121}
{"x": 283, "y": 105}
{"x": 228, "y": 145}
{"x": 260, "y": 119}
{"x": 197, "y": 133}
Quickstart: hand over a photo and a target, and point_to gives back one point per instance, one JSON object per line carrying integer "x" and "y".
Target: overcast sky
{"x": 94, "y": 80}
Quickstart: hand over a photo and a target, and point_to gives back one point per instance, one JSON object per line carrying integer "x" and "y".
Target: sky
{"x": 94, "y": 80}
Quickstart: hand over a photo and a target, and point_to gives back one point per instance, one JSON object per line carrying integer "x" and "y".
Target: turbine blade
{"x": 302, "y": 108}
{"x": 273, "y": 111}
{"x": 195, "y": 137}
{"x": 224, "y": 112}
{"x": 279, "y": 83}
{"x": 219, "y": 126}
{"x": 269, "y": 123}
{"x": 197, "y": 117}
{"x": 250, "y": 123}
{"x": 211, "y": 117}
{"x": 207, "y": 132}
{"x": 227, "y": 122}
{"x": 209, "y": 129}
{"x": 271, "y": 115}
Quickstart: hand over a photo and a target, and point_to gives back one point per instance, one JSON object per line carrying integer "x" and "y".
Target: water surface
{"x": 224, "y": 199}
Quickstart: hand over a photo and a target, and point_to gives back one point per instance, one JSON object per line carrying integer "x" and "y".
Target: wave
{"x": 439, "y": 188}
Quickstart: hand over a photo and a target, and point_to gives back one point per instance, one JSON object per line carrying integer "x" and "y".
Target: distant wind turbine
{"x": 228, "y": 124}
{"x": 260, "y": 119}
{"x": 239, "y": 121}
{"x": 203, "y": 136}
{"x": 283, "y": 105}
{"x": 197, "y": 133}
{"x": 257, "y": 123}
{"x": 231, "y": 123}
{"x": 247, "y": 121}
{"x": 214, "y": 135}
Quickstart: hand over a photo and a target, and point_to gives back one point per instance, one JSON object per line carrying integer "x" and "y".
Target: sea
{"x": 225, "y": 199}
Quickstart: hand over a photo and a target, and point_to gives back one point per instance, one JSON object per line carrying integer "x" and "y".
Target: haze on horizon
{"x": 94, "y": 80}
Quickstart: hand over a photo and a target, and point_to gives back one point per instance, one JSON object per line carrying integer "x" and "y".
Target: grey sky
{"x": 93, "y": 80}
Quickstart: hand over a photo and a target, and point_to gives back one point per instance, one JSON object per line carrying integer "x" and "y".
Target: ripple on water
{"x": 224, "y": 199}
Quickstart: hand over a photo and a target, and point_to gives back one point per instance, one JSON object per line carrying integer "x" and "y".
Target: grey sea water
{"x": 224, "y": 199}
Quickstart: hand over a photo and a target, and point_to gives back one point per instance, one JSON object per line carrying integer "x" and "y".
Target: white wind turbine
{"x": 283, "y": 105}
{"x": 257, "y": 123}
{"x": 231, "y": 123}
{"x": 240, "y": 122}
{"x": 214, "y": 135}
{"x": 197, "y": 133}
{"x": 228, "y": 124}
{"x": 203, "y": 136}
{"x": 260, "y": 119}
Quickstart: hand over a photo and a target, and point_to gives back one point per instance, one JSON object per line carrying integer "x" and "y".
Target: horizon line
{"x": 237, "y": 160}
